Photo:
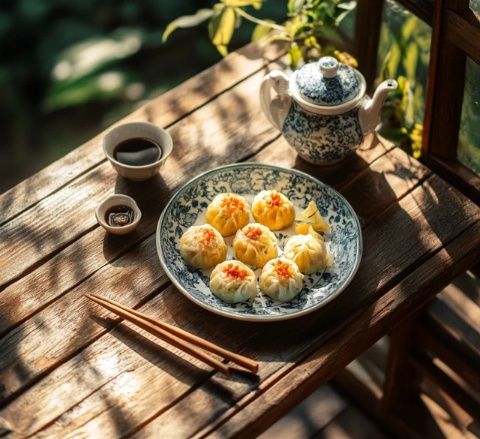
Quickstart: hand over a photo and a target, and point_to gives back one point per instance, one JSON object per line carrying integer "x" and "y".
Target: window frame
{"x": 455, "y": 31}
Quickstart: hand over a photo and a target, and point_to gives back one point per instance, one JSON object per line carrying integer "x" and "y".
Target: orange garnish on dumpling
{"x": 253, "y": 233}
{"x": 235, "y": 272}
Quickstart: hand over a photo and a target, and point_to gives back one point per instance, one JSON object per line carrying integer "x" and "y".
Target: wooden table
{"x": 68, "y": 370}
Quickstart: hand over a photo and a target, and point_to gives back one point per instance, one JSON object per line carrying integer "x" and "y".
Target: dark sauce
{"x": 137, "y": 152}
{"x": 119, "y": 216}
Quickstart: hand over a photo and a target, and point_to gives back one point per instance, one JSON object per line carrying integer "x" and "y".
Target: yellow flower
{"x": 416, "y": 136}
{"x": 346, "y": 58}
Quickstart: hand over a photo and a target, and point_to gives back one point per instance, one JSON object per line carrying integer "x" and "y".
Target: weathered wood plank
{"x": 105, "y": 377}
{"x": 351, "y": 423}
{"x": 447, "y": 350}
{"x": 58, "y": 275}
{"x": 444, "y": 424}
{"x": 120, "y": 398}
{"x": 55, "y": 277}
{"x": 268, "y": 368}
{"x": 164, "y": 110}
{"x": 443, "y": 320}
{"x": 467, "y": 404}
{"x": 66, "y": 325}
{"x": 465, "y": 307}
{"x": 278, "y": 153}
{"x": 202, "y": 140}
{"x": 358, "y": 334}
{"x": 409, "y": 221}
{"x": 320, "y": 409}
{"x": 74, "y": 297}
{"x": 400, "y": 376}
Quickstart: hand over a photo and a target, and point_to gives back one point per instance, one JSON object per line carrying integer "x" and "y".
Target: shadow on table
{"x": 386, "y": 234}
{"x": 9, "y": 355}
{"x": 152, "y": 351}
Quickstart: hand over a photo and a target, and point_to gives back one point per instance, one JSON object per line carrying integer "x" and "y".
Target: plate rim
{"x": 253, "y": 318}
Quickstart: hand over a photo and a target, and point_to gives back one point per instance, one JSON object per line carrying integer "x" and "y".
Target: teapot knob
{"x": 328, "y": 66}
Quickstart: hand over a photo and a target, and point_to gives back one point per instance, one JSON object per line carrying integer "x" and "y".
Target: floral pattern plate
{"x": 187, "y": 208}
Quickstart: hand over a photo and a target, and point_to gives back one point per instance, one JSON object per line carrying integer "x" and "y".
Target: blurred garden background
{"x": 71, "y": 68}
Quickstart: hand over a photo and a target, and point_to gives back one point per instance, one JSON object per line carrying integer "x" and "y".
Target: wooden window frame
{"x": 455, "y": 35}
{"x": 456, "y": 29}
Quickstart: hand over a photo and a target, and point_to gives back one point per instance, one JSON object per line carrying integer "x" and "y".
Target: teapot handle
{"x": 278, "y": 110}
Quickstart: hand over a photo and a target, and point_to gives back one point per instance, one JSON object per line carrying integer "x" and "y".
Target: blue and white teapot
{"x": 322, "y": 109}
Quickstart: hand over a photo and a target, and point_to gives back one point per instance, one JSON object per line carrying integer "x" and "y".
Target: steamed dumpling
{"x": 281, "y": 279}
{"x": 273, "y": 209}
{"x": 309, "y": 252}
{"x": 254, "y": 245}
{"x": 233, "y": 282}
{"x": 227, "y": 213}
{"x": 202, "y": 246}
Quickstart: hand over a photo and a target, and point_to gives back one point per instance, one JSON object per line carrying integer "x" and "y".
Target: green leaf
{"x": 396, "y": 135}
{"x": 257, "y": 4}
{"x": 408, "y": 28}
{"x": 394, "y": 59}
{"x": 295, "y": 5}
{"x": 221, "y": 28}
{"x": 261, "y": 30}
{"x": 278, "y": 37}
{"x": 91, "y": 55}
{"x": 411, "y": 60}
{"x": 350, "y": 5}
{"x": 222, "y": 49}
{"x": 330, "y": 34}
{"x": 342, "y": 16}
{"x": 311, "y": 42}
{"x": 96, "y": 87}
{"x": 295, "y": 25}
{"x": 294, "y": 55}
{"x": 187, "y": 21}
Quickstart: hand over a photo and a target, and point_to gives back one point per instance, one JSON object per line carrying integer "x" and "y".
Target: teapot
{"x": 322, "y": 109}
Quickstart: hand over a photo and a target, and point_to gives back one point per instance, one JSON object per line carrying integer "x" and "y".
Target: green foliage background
{"x": 469, "y": 138}
{"x": 404, "y": 53}
{"x": 69, "y": 68}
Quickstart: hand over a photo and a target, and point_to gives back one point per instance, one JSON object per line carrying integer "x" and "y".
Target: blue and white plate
{"x": 187, "y": 208}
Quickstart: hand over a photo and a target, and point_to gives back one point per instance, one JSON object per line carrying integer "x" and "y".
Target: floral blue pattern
{"x": 319, "y": 90}
{"x": 189, "y": 204}
{"x": 322, "y": 139}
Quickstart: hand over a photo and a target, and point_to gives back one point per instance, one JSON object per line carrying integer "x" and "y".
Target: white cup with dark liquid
{"x": 137, "y": 150}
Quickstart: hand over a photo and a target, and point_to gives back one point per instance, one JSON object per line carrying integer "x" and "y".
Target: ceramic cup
{"x": 132, "y": 130}
{"x": 116, "y": 200}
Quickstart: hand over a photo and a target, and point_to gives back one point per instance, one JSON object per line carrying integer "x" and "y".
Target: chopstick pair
{"x": 179, "y": 338}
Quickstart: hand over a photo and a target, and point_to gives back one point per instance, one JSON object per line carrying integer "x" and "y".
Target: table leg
{"x": 400, "y": 377}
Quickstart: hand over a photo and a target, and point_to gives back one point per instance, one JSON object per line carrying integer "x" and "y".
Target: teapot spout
{"x": 370, "y": 112}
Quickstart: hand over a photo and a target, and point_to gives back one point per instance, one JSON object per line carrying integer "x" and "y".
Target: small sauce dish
{"x": 142, "y": 132}
{"x": 118, "y": 214}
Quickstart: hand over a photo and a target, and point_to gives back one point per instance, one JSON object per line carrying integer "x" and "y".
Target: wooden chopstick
{"x": 164, "y": 335}
{"x": 178, "y": 337}
{"x": 241, "y": 360}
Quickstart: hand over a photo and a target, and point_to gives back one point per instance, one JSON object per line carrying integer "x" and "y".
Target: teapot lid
{"x": 327, "y": 82}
